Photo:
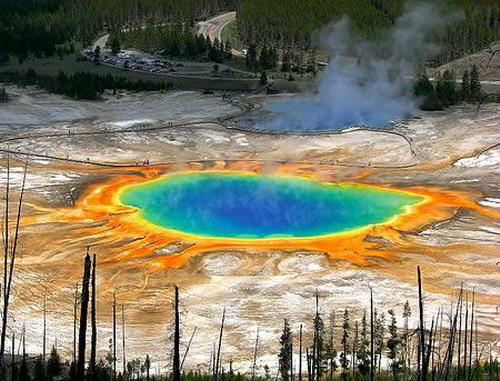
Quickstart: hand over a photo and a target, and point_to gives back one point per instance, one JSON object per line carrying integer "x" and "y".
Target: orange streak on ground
{"x": 143, "y": 240}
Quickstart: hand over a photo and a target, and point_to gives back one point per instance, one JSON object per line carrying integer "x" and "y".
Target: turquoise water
{"x": 234, "y": 205}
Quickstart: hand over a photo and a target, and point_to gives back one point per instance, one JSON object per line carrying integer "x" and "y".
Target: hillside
{"x": 291, "y": 23}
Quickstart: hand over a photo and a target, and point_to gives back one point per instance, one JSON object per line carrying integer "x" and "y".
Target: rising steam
{"x": 368, "y": 82}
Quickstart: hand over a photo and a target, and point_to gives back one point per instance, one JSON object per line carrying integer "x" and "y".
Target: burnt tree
{"x": 80, "y": 370}
{"x": 176, "y": 368}
{"x": 93, "y": 345}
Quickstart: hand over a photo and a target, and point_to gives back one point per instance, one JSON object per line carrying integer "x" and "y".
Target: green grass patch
{"x": 230, "y": 33}
{"x": 238, "y": 63}
{"x": 69, "y": 65}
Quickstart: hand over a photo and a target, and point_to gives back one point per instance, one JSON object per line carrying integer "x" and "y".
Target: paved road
{"x": 214, "y": 26}
{"x": 101, "y": 42}
{"x": 211, "y": 28}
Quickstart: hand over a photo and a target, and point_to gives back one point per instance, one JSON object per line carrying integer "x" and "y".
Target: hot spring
{"x": 241, "y": 205}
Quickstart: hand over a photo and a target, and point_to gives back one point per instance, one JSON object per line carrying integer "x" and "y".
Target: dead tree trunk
{"x": 6, "y": 255}
{"x": 317, "y": 354}
{"x": 300, "y": 353}
{"x": 459, "y": 360}
{"x": 438, "y": 363}
{"x": 471, "y": 335}
{"x": 218, "y": 359}
{"x": 448, "y": 362}
{"x": 355, "y": 349}
{"x": 13, "y": 358}
{"x": 309, "y": 366}
{"x": 114, "y": 336}
{"x": 83, "y": 319}
{"x": 430, "y": 345}
{"x": 24, "y": 365}
{"x": 176, "y": 369}
{"x": 291, "y": 357}
{"x": 148, "y": 366}
{"x": 44, "y": 341}
{"x": 10, "y": 250}
{"x": 188, "y": 346}
{"x": 93, "y": 345}
{"x": 477, "y": 358}
{"x": 424, "y": 366}
{"x": 464, "y": 372}
{"x": 75, "y": 322}
{"x": 372, "y": 371}
{"x": 255, "y": 353}
{"x": 124, "y": 356}
{"x": 211, "y": 366}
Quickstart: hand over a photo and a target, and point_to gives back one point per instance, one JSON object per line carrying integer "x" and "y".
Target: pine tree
{"x": 285, "y": 62}
{"x": 363, "y": 349}
{"x": 228, "y": 51}
{"x": 97, "y": 54}
{"x": 264, "y": 59}
{"x": 406, "y": 337}
{"x": 263, "y": 78}
{"x": 379, "y": 338}
{"x": 465, "y": 93}
{"x": 273, "y": 57}
{"x": 4, "y": 97}
{"x": 319, "y": 344}
{"x": 330, "y": 351}
{"x": 24, "y": 374}
{"x": 4, "y": 58}
{"x": 393, "y": 344}
{"x": 15, "y": 372}
{"x": 39, "y": 370}
{"x": 285, "y": 352}
{"x": 115, "y": 44}
{"x": 251, "y": 57}
{"x": 440, "y": 90}
{"x": 475, "y": 84}
{"x": 449, "y": 91}
{"x": 344, "y": 356}
{"x": 72, "y": 372}
{"x": 311, "y": 65}
{"x": 423, "y": 87}
{"x": 54, "y": 363}
{"x": 216, "y": 52}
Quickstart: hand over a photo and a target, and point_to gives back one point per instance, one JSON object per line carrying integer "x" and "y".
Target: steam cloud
{"x": 367, "y": 82}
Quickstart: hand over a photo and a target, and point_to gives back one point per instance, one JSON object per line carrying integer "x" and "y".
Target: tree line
{"x": 46, "y": 27}
{"x": 172, "y": 41}
{"x": 81, "y": 85}
{"x": 288, "y": 62}
{"x": 343, "y": 345}
{"x": 290, "y": 24}
{"x": 445, "y": 92}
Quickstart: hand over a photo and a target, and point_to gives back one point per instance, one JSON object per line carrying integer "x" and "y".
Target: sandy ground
{"x": 454, "y": 149}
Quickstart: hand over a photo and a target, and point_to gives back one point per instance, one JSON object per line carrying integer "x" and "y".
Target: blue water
{"x": 235, "y": 205}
